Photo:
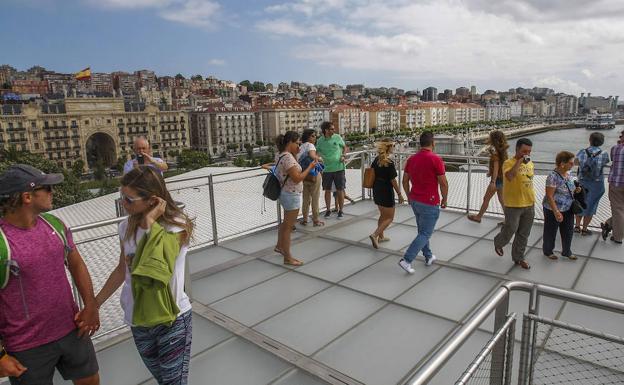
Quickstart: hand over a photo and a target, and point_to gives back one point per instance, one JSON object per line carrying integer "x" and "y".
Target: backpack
{"x": 591, "y": 168}
{"x": 10, "y": 267}
{"x": 271, "y": 187}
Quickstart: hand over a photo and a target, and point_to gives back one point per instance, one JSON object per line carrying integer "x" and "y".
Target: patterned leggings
{"x": 166, "y": 351}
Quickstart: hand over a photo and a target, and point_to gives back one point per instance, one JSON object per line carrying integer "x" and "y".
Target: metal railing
{"x": 530, "y": 345}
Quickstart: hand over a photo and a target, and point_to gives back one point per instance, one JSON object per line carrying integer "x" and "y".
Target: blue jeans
{"x": 426, "y": 218}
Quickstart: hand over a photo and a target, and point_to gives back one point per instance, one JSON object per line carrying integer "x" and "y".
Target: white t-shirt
{"x": 130, "y": 165}
{"x": 304, "y": 149}
{"x": 177, "y": 279}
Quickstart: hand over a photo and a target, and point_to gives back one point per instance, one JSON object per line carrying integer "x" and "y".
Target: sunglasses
{"x": 130, "y": 200}
{"x": 47, "y": 188}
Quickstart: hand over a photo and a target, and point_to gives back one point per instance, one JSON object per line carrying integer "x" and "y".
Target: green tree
{"x": 245, "y": 83}
{"x": 78, "y": 168}
{"x": 68, "y": 192}
{"x": 258, "y": 86}
{"x": 99, "y": 172}
{"x": 192, "y": 160}
{"x": 197, "y": 77}
{"x": 240, "y": 161}
{"x": 180, "y": 77}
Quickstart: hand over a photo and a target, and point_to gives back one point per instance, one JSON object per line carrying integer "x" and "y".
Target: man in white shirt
{"x": 143, "y": 156}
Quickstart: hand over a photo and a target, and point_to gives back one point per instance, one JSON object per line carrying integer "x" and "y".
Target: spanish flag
{"x": 85, "y": 74}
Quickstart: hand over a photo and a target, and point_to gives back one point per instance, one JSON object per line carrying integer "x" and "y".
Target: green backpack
{"x": 9, "y": 266}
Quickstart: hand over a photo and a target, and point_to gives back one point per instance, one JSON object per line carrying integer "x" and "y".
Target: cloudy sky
{"x": 572, "y": 46}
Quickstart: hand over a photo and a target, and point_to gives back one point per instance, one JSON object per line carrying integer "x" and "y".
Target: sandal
{"x": 474, "y": 218}
{"x": 318, "y": 223}
{"x": 292, "y": 262}
{"x": 278, "y": 250}
{"x": 303, "y": 222}
{"x": 499, "y": 251}
{"x": 577, "y": 229}
{"x": 374, "y": 239}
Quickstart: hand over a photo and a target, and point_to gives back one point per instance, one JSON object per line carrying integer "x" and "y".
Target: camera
{"x": 140, "y": 159}
{"x": 526, "y": 159}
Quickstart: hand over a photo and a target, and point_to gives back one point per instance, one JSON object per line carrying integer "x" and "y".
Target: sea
{"x": 546, "y": 145}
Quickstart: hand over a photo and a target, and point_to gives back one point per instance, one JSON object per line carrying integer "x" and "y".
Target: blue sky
{"x": 570, "y": 45}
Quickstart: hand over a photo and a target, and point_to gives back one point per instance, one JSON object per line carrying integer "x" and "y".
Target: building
{"x": 289, "y": 116}
{"x": 515, "y": 108}
{"x": 102, "y": 82}
{"x": 494, "y": 112}
{"x": 153, "y": 96}
{"x": 27, "y": 86}
{"x": 92, "y": 129}
{"x": 460, "y": 113}
{"x": 412, "y": 117}
{"x": 146, "y": 79}
{"x": 430, "y": 94}
{"x": 219, "y": 127}
{"x": 349, "y": 119}
{"x": 462, "y": 92}
{"x": 384, "y": 118}
{"x": 125, "y": 83}
{"x": 436, "y": 114}
{"x": 597, "y": 103}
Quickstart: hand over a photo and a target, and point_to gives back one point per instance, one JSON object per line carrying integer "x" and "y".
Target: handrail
{"x": 429, "y": 369}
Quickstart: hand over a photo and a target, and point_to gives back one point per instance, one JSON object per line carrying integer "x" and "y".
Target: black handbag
{"x": 271, "y": 187}
{"x": 577, "y": 206}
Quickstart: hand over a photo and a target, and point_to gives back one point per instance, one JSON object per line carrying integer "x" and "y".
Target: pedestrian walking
{"x": 519, "y": 198}
{"x": 383, "y": 190}
{"x": 423, "y": 182}
{"x": 40, "y": 327}
{"x": 616, "y": 194}
{"x": 498, "y": 155}
{"x": 311, "y": 183}
{"x": 154, "y": 243}
{"x": 332, "y": 149}
{"x": 557, "y": 206}
{"x": 591, "y": 162}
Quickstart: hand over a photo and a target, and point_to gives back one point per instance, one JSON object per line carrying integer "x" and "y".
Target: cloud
{"x": 561, "y": 85}
{"x": 497, "y": 44}
{"x": 216, "y": 62}
{"x": 197, "y": 13}
{"x": 588, "y": 74}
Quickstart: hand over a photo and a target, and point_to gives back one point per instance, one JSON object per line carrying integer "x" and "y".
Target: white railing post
{"x": 213, "y": 213}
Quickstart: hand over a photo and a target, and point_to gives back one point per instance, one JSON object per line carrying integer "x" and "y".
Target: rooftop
{"x": 349, "y": 315}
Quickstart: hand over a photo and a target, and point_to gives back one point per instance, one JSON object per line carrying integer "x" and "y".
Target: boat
{"x": 599, "y": 121}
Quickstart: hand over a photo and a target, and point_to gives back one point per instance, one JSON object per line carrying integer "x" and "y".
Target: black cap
{"x": 22, "y": 178}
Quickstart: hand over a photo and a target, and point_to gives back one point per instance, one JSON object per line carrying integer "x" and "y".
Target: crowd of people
{"x": 42, "y": 329}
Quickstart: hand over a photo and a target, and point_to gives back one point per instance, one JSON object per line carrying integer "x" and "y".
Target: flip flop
{"x": 319, "y": 223}
{"x": 292, "y": 262}
{"x": 303, "y": 223}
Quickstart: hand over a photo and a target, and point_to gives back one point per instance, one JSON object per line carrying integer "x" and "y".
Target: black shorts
{"x": 337, "y": 178}
{"x": 73, "y": 357}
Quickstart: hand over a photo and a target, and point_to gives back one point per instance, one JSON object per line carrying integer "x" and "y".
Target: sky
{"x": 572, "y": 46}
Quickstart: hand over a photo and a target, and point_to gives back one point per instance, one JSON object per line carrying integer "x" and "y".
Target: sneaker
{"x": 606, "y": 229}
{"x": 429, "y": 260}
{"x": 406, "y": 266}
{"x": 340, "y": 214}
{"x": 327, "y": 213}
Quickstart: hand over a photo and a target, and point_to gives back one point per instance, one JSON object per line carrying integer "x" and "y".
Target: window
{"x": 86, "y": 122}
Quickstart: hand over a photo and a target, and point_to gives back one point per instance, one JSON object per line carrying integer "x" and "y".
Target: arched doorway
{"x": 100, "y": 147}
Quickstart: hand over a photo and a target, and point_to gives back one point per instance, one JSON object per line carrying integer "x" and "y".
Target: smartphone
{"x": 526, "y": 159}
{"x": 140, "y": 159}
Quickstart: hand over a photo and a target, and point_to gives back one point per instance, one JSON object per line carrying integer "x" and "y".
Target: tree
{"x": 240, "y": 162}
{"x": 180, "y": 77}
{"x": 68, "y": 192}
{"x": 197, "y": 77}
{"x": 245, "y": 83}
{"x": 258, "y": 86}
{"x": 99, "y": 172}
{"x": 78, "y": 168}
{"x": 192, "y": 160}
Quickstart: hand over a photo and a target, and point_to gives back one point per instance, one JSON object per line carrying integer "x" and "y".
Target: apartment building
{"x": 495, "y": 112}
{"x": 436, "y": 114}
{"x": 384, "y": 119}
{"x": 412, "y": 117}
{"x": 289, "y": 116}
{"x": 219, "y": 127}
{"x": 91, "y": 129}
{"x": 349, "y": 119}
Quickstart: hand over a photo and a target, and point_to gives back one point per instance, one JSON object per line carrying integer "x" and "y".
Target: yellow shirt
{"x": 519, "y": 191}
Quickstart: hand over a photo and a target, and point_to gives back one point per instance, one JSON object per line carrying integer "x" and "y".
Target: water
{"x": 546, "y": 145}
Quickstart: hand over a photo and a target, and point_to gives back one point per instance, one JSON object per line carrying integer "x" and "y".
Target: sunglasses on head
{"x": 130, "y": 200}
{"x": 47, "y": 188}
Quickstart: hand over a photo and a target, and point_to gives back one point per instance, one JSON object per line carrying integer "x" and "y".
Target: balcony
{"x": 349, "y": 315}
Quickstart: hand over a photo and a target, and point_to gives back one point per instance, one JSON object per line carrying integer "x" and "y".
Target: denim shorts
{"x": 290, "y": 200}
{"x": 499, "y": 183}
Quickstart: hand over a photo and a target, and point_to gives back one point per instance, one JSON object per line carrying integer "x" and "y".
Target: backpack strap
{"x": 59, "y": 229}
{"x": 5, "y": 260}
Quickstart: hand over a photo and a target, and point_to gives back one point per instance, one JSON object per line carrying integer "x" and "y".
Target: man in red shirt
{"x": 425, "y": 171}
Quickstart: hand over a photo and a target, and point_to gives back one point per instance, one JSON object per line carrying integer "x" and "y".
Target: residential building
{"x": 153, "y": 96}
{"x": 289, "y": 116}
{"x": 349, "y": 119}
{"x": 92, "y": 129}
{"x": 146, "y": 79}
{"x": 413, "y": 117}
{"x": 27, "y": 86}
{"x": 384, "y": 118}
{"x": 102, "y": 82}
{"x": 430, "y": 94}
{"x": 495, "y": 112}
{"x": 436, "y": 114}
{"x": 219, "y": 127}
{"x": 598, "y": 103}
{"x": 465, "y": 113}
{"x": 515, "y": 108}
{"x": 125, "y": 83}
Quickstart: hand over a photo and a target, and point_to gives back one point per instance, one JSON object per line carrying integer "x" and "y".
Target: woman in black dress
{"x": 383, "y": 190}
